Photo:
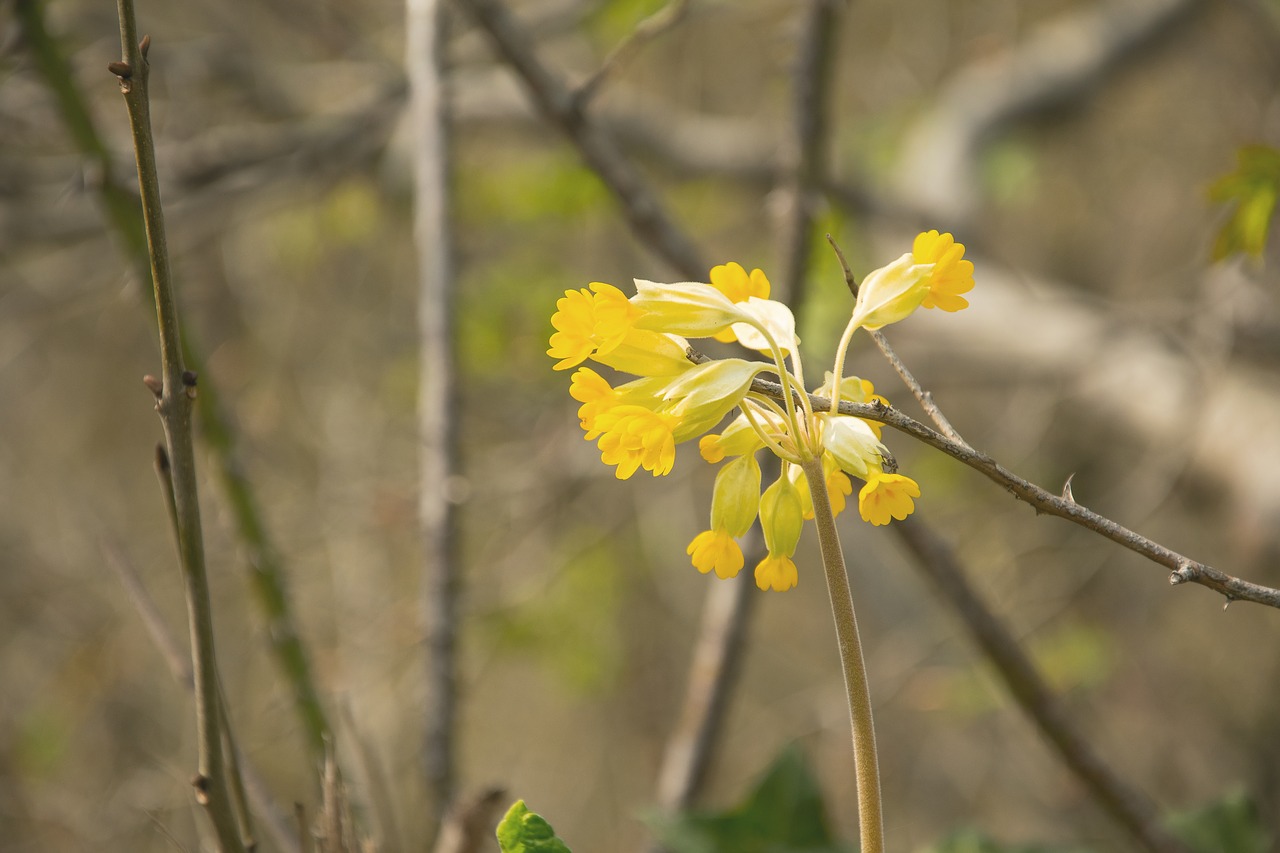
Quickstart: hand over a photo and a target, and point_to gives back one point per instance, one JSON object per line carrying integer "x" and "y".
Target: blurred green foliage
{"x": 569, "y": 623}
{"x": 784, "y": 813}
{"x": 1252, "y": 190}
{"x": 1229, "y": 825}
{"x": 523, "y": 831}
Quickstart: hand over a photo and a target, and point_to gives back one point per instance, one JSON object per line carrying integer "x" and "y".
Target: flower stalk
{"x": 857, "y": 690}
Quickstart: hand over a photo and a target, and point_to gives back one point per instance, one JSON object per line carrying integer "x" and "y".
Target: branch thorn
{"x": 844, "y": 265}
{"x": 1183, "y": 574}
{"x": 201, "y": 783}
{"x": 1066, "y": 489}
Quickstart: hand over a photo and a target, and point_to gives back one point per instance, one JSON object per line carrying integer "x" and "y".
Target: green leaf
{"x": 783, "y": 814}
{"x": 523, "y": 831}
{"x": 1253, "y": 189}
{"x": 1231, "y": 824}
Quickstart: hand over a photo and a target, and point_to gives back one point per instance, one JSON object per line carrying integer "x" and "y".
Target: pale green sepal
{"x": 739, "y": 438}
{"x": 781, "y": 516}
{"x": 891, "y": 293}
{"x": 851, "y": 443}
{"x": 713, "y": 386}
{"x": 776, "y": 318}
{"x": 737, "y": 496}
{"x": 688, "y": 308}
{"x": 645, "y": 353}
{"x": 523, "y": 831}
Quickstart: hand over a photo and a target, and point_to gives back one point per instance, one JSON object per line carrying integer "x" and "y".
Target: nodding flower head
{"x": 680, "y": 394}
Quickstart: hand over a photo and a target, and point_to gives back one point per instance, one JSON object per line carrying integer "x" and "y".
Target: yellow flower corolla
{"x": 887, "y": 496}
{"x": 734, "y": 282}
{"x": 633, "y": 437}
{"x": 951, "y": 274}
{"x": 716, "y": 550}
{"x": 594, "y": 393}
{"x": 776, "y": 572}
{"x": 590, "y": 321}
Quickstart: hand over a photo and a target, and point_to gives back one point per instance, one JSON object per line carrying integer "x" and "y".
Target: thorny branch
{"x": 1183, "y": 569}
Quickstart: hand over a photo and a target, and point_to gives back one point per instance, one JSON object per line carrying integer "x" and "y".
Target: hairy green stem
{"x": 175, "y": 400}
{"x": 866, "y": 764}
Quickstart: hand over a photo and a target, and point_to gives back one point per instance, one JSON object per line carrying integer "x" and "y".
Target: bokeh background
{"x": 1102, "y": 342}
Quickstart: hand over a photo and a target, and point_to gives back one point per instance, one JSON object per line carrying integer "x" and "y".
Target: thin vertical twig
{"x": 124, "y": 214}
{"x": 815, "y": 61}
{"x": 255, "y": 790}
{"x": 429, "y": 117}
{"x": 175, "y": 398}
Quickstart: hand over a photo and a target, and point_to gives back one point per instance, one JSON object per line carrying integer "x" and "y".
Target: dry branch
{"x": 429, "y": 117}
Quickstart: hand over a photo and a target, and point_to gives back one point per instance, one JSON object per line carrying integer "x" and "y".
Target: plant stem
{"x": 174, "y": 403}
{"x": 866, "y": 764}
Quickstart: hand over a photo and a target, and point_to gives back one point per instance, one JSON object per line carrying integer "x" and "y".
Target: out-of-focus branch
{"x": 124, "y": 213}
{"x": 806, "y": 154}
{"x": 645, "y": 31}
{"x": 1182, "y": 569}
{"x": 433, "y": 238}
{"x": 1127, "y": 806}
{"x": 175, "y": 397}
{"x": 640, "y": 206}
{"x": 713, "y": 668}
{"x": 1058, "y": 62}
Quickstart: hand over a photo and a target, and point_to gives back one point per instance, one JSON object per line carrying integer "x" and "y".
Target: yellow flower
{"x": 644, "y": 353}
{"x": 951, "y": 275}
{"x": 851, "y": 442}
{"x": 716, "y": 550}
{"x": 733, "y": 508}
{"x": 738, "y": 439}
{"x": 887, "y": 496}
{"x": 891, "y": 293}
{"x": 588, "y": 322}
{"x": 689, "y": 308}
{"x": 732, "y": 280}
{"x": 633, "y": 437}
{"x": 594, "y": 393}
{"x": 781, "y": 521}
{"x": 776, "y": 572}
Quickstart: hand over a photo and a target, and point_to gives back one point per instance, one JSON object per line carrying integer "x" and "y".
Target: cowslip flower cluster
{"x": 678, "y": 395}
